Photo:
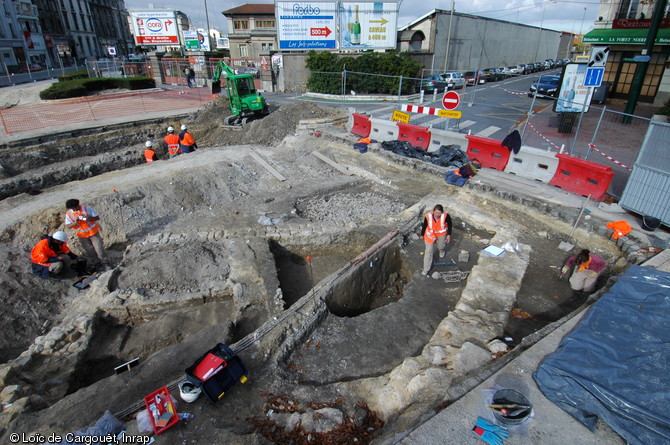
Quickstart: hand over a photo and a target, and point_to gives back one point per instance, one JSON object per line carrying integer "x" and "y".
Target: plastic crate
{"x": 216, "y": 386}
{"x": 163, "y": 405}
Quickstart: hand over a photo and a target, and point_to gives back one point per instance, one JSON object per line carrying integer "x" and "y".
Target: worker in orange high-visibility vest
{"x": 51, "y": 256}
{"x": 149, "y": 153}
{"x": 86, "y": 225}
{"x": 436, "y": 230}
{"x": 186, "y": 141}
{"x": 172, "y": 141}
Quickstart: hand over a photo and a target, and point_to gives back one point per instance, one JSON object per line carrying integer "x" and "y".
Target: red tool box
{"x": 162, "y": 412}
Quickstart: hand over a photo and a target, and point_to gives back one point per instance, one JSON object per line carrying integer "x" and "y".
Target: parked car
{"x": 432, "y": 83}
{"x": 492, "y": 75}
{"x": 514, "y": 69}
{"x": 545, "y": 86}
{"x": 454, "y": 80}
{"x": 474, "y": 77}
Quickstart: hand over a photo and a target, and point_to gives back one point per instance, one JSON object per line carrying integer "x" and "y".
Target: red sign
{"x": 637, "y": 24}
{"x": 325, "y": 32}
{"x": 451, "y": 100}
{"x": 29, "y": 39}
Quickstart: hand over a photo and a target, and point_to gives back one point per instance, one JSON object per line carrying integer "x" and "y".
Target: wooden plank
{"x": 332, "y": 163}
{"x": 267, "y": 166}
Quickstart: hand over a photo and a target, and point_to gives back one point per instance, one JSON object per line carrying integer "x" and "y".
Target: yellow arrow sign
{"x": 383, "y": 21}
{"x": 450, "y": 113}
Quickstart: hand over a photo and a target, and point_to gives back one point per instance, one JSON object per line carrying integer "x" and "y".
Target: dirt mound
{"x": 282, "y": 121}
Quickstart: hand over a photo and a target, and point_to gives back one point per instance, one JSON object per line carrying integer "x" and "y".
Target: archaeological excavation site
{"x": 296, "y": 251}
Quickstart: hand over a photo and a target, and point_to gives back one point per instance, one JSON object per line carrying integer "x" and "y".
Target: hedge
{"x": 83, "y": 87}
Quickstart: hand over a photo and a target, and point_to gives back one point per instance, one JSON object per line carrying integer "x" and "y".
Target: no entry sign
{"x": 451, "y": 100}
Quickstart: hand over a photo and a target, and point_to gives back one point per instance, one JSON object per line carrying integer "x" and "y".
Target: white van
{"x": 454, "y": 80}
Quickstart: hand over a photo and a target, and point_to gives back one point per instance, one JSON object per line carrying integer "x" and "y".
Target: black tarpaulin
{"x": 615, "y": 364}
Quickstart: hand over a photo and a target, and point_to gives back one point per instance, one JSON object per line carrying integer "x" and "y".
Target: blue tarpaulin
{"x": 615, "y": 364}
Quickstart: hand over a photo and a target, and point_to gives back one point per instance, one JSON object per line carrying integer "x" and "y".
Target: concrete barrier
{"x": 533, "y": 163}
{"x": 489, "y": 152}
{"x": 582, "y": 177}
{"x": 439, "y": 138}
{"x": 383, "y": 130}
{"x": 414, "y": 134}
{"x": 361, "y": 125}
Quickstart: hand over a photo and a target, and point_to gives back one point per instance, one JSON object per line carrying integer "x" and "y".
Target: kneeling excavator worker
{"x": 51, "y": 255}
{"x": 172, "y": 141}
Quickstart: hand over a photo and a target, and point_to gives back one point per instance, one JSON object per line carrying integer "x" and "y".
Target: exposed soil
{"x": 210, "y": 246}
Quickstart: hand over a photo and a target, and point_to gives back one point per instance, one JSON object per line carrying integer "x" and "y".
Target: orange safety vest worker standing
{"x": 186, "y": 142}
{"x": 84, "y": 221}
{"x": 149, "y": 153}
{"x": 436, "y": 227}
{"x": 172, "y": 141}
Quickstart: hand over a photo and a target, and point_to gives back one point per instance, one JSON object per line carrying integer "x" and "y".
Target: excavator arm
{"x": 220, "y": 68}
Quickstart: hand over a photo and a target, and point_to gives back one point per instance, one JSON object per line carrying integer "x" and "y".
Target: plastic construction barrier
{"x": 361, "y": 125}
{"x": 489, "y": 152}
{"x": 439, "y": 138}
{"x": 383, "y": 130}
{"x": 582, "y": 177}
{"x": 414, "y": 134}
{"x": 533, "y": 163}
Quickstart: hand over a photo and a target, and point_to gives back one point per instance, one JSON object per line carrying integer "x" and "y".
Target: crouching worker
{"x": 587, "y": 269}
{"x": 51, "y": 256}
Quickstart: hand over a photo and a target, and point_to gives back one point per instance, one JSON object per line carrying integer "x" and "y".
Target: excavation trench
{"x": 324, "y": 302}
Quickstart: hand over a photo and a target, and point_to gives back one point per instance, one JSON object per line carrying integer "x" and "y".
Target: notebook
{"x": 208, "y": 366}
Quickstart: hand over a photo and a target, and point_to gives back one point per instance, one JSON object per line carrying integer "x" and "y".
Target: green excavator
{"x": 245, "y": 102}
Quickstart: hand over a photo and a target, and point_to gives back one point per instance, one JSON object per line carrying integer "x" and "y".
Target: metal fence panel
{"x": 648, "y": 188}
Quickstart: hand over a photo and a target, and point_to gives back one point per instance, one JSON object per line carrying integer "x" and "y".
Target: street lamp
{"x": 209, "y": 41}
{"x": 582, "y": 25}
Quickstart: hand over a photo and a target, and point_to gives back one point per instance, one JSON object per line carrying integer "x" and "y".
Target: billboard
{"x": 155, "y": 27}
{"x": 368, "y": 25}
{"x": 302, "y": 26}
{"x": 573, "y": 96}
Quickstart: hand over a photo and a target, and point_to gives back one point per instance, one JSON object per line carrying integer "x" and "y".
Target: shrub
{"x": 382, "y": 72}
{"x": 82, "y": 87}
{"x": 79, "y": 74}
{"x": 665, "y": 109}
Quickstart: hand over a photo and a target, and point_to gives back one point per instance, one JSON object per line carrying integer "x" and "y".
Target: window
{"x": 243, "y": 50}
{"x": 265, "y": 23}
{"x": 266, "y": 46}
{"x": 628, "y": 9}
{"x": 241, "y": 24}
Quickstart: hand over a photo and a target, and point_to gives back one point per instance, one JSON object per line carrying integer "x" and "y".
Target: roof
{"x": 252, "y": 9}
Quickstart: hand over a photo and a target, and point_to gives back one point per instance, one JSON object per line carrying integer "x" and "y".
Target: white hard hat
{"x": 148, "y": 143}
{"x": 60, "y": 236}
{"x": 189, "y": 392}
{"x": 183, "y": 127}
{"x": 170, "y": 129}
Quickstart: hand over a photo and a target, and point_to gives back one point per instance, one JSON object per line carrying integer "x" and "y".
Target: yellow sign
{"x": 399, "y": 116}
{"x": 450, "y": 113}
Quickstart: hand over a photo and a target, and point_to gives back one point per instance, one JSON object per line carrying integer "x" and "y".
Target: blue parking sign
{"x": 594, "y": 77}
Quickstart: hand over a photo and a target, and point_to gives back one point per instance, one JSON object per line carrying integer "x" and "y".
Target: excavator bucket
{"x": 216, "y": 87}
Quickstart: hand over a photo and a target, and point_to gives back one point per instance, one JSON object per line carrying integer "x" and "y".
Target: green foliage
{"x": 79, "y": 74}
{"x": 367, "y": 73}
{"x": 83, "y": 87}
{"x": 665, "y": 109}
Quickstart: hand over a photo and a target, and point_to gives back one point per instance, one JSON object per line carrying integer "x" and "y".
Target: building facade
{"x": 252, "y": 30}
{"x": 453, "y": 41}
{"x": 23, "y": 46}
{"x": 623, "y": 27}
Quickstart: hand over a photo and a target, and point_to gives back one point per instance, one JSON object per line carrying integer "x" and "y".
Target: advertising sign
{"x": 304, "y": 25}
{"x": 155, "y": 27}
{"x": 368, "y": 25}
{"x": 573, "y": 96}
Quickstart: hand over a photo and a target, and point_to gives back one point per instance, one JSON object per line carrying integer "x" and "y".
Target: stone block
{"x": 471, "y": 357}
{"x": 463, "y": 256}
{"x": 10, "y": 393}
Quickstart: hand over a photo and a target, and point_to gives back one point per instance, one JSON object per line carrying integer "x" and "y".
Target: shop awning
{"x": 626, "y": 36}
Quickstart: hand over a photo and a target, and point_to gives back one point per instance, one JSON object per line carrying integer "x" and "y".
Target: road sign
{"x": 453, "y": 114}
{"x": 399, "y": 116}
{"x": 599, "y": 56}
{"x": 641, "y": 58}
{"x": 111, "y": 50}
{"x": 451, "y": 100}
{"x": 594, "y": 77}
{"x": 303, "y": 25}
